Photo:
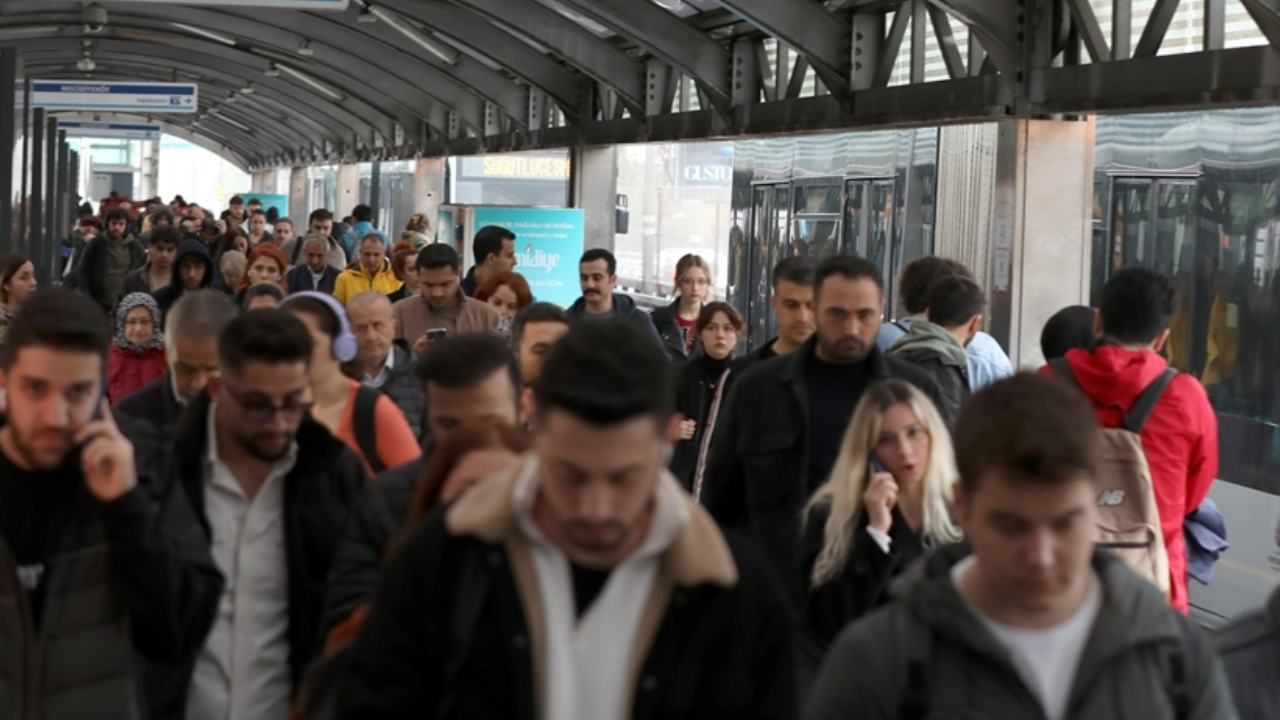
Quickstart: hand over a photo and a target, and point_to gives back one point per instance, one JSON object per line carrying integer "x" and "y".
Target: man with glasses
{"x": 274, "y": 488}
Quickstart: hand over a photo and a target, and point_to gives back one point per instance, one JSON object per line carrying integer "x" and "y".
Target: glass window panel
{"x": 817, "y": 199}
{"x": 817, "y": 239}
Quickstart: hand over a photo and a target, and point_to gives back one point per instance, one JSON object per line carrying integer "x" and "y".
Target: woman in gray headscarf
{"x": 137, "y": 352}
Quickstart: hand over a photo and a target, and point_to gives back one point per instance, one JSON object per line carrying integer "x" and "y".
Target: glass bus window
{"x": 817, "y": 200}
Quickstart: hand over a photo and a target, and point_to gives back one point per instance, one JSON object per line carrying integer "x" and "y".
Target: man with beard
{"x": 106, "y": 262}
{"x": 585, "y": 583}
{"x": 102, "y": 578}
{"x": 598, "y": 276}
{"x": 442, "y": 309}
{"x": 785, "y": 417}
{"x": 274, "y": 488}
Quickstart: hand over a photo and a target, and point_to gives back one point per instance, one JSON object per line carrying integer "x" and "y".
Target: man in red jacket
{"x": 1181, "y": 436}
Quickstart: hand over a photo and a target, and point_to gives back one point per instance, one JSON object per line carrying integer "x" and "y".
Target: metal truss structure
{"x": 392, "y": 79}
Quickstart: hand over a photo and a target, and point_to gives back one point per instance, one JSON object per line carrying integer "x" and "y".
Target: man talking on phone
{"x": 441, "y": 309}
{"x": 101, "y": 571}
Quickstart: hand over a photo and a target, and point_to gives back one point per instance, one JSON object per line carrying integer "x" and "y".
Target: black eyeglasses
{"x": 260, "y": 409}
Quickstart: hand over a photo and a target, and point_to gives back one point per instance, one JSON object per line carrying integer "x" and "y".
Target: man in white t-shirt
{"x": 1027, "y": 619}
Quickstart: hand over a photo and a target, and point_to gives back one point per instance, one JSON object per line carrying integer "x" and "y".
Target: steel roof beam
{"x": 336, "y": 66}
{"x": 573, "y": 43}
{"x": 818, "y": 34}
{"x": 470, "y": 75}
{"x": 490, "y": 40}
{"x": 113, "y": 68}
{"x": 296, "y": 92}
{"x": 669, "y": 38}
{"x": 996, "y": 24}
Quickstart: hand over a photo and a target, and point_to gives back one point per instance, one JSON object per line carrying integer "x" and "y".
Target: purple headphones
{"x": 344, "y": 346}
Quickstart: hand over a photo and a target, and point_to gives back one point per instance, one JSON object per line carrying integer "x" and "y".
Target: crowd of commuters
{"x": 253, "y": 474}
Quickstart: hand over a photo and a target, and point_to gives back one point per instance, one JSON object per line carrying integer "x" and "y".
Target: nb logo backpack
{"x": 1129, "y": 522}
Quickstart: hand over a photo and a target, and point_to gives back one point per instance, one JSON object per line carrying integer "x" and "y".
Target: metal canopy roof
{"x": 399, "y": 78}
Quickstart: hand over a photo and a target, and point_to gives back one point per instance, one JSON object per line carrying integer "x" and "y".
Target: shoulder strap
{"x": 1146, "y": 402}
{"x": 297, "y": 248}
{"x": 366, "y": 426}
{"x": 901, "y": 327}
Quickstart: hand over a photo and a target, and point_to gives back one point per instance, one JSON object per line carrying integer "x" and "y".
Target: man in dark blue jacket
{"x": 316, "y": 273}
{"x": 598, "y": 275}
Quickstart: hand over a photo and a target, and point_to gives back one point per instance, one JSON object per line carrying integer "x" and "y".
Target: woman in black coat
{"x": 700, "y": 389}
{"x": 677, "y": 322}
{"x": 888, "y": 499}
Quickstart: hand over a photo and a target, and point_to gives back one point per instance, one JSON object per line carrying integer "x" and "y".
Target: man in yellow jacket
{"x": 371, "y": 273}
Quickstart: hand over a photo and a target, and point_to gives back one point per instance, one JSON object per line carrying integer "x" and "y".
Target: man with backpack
{"x": 1174, "y": 421}
{"x": 1026, "y": 619}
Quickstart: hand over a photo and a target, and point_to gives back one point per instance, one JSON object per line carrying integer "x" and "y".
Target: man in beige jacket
{"x": 441, "y": 309}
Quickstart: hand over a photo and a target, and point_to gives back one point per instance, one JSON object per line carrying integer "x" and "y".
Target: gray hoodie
{"x": 927, "y": 648}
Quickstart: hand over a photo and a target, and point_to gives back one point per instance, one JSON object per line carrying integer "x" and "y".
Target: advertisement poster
{"x": 279, "y": 202}
{"x": 549, "y": 242}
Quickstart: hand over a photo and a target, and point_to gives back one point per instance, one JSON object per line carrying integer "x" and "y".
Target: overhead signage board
{"x": 338, "y": 5}
{"x": 138, "y": 97}
{"x": 124, "y": 131}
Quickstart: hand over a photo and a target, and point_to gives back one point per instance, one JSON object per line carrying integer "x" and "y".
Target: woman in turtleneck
{"x": 701, "y": 388}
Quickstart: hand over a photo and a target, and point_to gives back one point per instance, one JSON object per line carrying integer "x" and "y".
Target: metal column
{"x": 35, "y": 208}
{"x": 24, "y": 194}
{"x": 48, "y": 250}
{"x": 375, "y": 191}
{"x": 8, "y": 77}
{"x": 62, "y": 208}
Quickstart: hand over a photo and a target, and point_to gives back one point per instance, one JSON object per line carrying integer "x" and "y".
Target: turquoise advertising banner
{"x": 279, "y": 202}
{"x": 549, "y": 242}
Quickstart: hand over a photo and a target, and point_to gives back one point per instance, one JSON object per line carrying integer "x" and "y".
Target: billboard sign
{"x": 549, "y": 242}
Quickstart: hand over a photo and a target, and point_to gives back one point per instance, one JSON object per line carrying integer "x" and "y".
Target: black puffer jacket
{"x": 131, "y": 588}
{"x": 319, "y": 493}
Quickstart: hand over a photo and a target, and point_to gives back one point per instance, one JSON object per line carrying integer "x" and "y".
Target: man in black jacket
{"x": 642, "y": 607}
{"x": 315, "y": 273}
{"x": 103, "y": 572}
{"x": 191, "y": 352}
{"x": 162, "y": 246}
{"x": 937, "y": 344}
{"x": 470, "y": 381}
{"x": 108, "y": 260}
{"x": 784, "y": 418}
{"x": 273, "y": 488}
{"x": 792, "y": 305}
{"x": 192, "y": 270}
{"x": 1250, "y": 650}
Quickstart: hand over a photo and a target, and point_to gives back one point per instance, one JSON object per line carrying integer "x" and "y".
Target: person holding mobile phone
{"x": 100, "y": 569}
{"x": 440, "y": 303}
{"x": 888, "y": 499}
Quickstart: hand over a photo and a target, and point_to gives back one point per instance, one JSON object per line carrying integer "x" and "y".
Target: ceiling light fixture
{"x": 304, "y": 49}
{"x": 313, "y": 83}
{"x": 438, "y": 49}
{"x": 272, "y": 71}
{"x": 367, "y": 15}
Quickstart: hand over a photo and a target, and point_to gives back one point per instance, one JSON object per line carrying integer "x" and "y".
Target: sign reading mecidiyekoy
{"x": 125, "y": 131}
{"x": 138, "y": 97}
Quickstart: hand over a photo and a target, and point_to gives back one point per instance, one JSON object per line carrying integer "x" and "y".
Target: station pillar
{"x": 429, "y": 188}
{"x": 1041, "y": 226}
{"x": 594, "y": 186}
{"x": 9, "y": 71}
{"x": 299, "y": 200}
{"x": 348, "y": 190}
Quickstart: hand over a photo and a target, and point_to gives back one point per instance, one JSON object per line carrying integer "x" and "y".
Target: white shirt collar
{"x": 279, "y": 468}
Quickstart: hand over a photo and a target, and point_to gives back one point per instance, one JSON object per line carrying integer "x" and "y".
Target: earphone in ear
{"x": 344, "y": 346}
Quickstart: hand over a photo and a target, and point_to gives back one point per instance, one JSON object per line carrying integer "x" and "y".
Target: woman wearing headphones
{"x": 365, "y": 419}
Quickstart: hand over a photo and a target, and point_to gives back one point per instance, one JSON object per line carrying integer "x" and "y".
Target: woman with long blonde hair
{"x": 887, "y": 501}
